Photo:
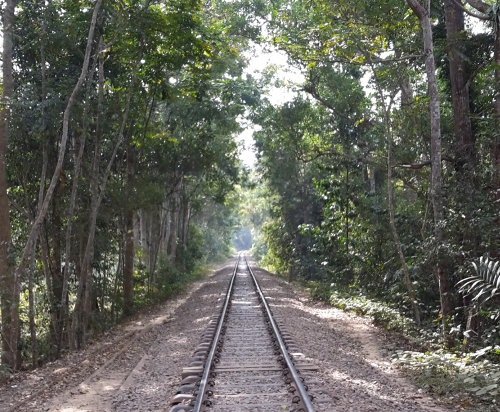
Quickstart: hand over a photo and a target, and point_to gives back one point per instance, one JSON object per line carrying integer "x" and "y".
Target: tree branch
{"x": 423, "y": 164}
{"x": 21, "y": 210}
{"x": 479, "y": 5}
{"x": 478, "y": 16}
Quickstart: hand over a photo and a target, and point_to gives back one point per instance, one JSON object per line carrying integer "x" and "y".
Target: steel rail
{"x": 208, "y": 363}
{"x": 295, "y": 375}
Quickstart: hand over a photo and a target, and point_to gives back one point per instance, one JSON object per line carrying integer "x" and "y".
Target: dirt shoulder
{"x": 90, "y": 378}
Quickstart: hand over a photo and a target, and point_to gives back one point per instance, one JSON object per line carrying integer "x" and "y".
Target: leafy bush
{"x": 319, "y": 291}
{"x": 381, "y": 313}
{"x": 441, "y": 371}
{"x": 351, "y": 299}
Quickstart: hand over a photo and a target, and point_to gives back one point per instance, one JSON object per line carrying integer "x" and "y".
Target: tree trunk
{"x": 44, "y": 251}
{"x": 34, "y": 344}
{"x": 495, "y": 149}
{"x": 186, "y": 220}
{"x": 74, "y": 188}
{"x": 371, "y": 170}
{"x": 8, "y": 299}
{"x": 347, "y": 215}
{"x": 496, "y": 141}
{"x": 55, "y": 268}
{"x": 128, "y": 270}
{"x": 423, "y": 14}
{"x": 390, "y": 201}
{"x": 144, "y": 237}
{"x": 174, "y": 227}
{"x": 119, "y": 268}
{"x": 166, "y": 234}
{"x": 409, "y": 288}
{"x": 455, "y": 28}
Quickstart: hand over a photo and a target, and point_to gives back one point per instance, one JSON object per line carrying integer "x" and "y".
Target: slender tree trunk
{"x": 74, "y": 188}
{"x": 143, "y": 236}
{"x": 495, "y": 151}
{"x": 103, "y": 292}
{"x": 166, "y": 236}
{"x": 119, "y": 269}
{"x": 186, "y": 219}
{"x": 128, "y": 269}
{"x": 423, "y": 14}
{"x": 165, "y": 223}
{"x": 371, "y": 170}
{"x": 44, "y": 251}
{"x": 409, "y": 288}
{"x": 34, "y": 343}
{"x": 390, "y": 199}
{"x": 8, "y": 299}
{"x": 56, "y": 274}
{"x": 496, "y": 141}
{"x": 347, "y": 214}
{"x": 484, "y": 8}
{"x": 174, "y": 227}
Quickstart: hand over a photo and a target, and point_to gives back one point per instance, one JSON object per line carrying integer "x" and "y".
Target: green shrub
{"x": 319, "y": 291}
{"x": 352, "y": 300}
{"x": 381, "y": 313}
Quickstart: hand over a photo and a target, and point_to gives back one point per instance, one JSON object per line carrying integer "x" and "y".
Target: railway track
{"x": 246, "y": 360}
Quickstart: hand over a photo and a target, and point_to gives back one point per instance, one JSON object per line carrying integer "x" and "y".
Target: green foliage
{"x": 319, "y": 291}
{"x": 380, "y": 313}
{"x": 441, "y": 372}
{"x": 485, "y": 284}
{"x": 176, "y": 171}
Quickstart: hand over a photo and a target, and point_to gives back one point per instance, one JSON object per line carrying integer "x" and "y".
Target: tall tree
{"x": 423, "y": 12}
{"x": 8, "y": 280}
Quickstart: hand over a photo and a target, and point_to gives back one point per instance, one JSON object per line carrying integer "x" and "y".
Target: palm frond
{"x": 485, "y": 283}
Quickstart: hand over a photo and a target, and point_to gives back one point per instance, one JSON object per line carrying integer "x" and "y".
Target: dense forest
{"x": 120, "y": 178}
{"x": 381, "y": 178}
{"x": 118, "y": 161}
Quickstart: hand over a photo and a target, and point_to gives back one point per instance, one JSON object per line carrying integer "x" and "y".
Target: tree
{"x": 8, "y": 280}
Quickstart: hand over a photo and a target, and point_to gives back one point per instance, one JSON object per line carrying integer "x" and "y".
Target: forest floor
{"x": 137, "y": 365}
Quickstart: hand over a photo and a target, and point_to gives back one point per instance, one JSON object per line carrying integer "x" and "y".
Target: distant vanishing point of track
{"x": 246, "y": 360}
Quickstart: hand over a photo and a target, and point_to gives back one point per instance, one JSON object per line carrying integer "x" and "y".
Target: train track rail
{"x": 246, "y": 360}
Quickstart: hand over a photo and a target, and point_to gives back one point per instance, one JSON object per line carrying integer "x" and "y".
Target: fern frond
{"x": 485, "y": 284}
